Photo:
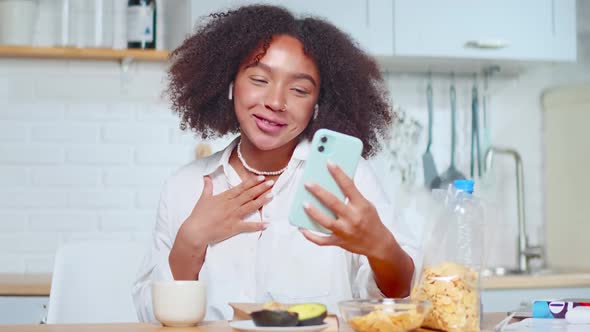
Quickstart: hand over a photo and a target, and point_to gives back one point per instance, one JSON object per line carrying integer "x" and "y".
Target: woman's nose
{"x": 275, "y": 100}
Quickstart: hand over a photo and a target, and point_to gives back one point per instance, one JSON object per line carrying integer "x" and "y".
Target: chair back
{"x": 92, "y": 282}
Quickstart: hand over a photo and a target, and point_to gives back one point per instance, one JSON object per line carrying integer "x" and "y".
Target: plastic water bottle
{"x": 464, "y": 185}
{"x": 470, "y": 226}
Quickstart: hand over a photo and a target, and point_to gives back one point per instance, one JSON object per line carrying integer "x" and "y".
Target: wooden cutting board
{"x": 242, "y": 312}
{"x": 566, "y": 116}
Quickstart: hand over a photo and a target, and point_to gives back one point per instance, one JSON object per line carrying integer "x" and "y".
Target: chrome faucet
{"x": 525, "y": 252}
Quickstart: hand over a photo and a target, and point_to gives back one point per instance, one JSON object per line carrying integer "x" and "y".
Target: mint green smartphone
{"x": 341, "y": 149}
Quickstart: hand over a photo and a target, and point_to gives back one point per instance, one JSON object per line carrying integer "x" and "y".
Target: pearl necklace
{"x": 253, "y": 170}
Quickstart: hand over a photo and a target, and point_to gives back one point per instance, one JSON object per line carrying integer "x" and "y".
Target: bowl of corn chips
{"x": 392, "y": 315}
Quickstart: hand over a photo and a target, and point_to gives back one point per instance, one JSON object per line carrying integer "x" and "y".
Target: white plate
{"x": 248, "y": 325}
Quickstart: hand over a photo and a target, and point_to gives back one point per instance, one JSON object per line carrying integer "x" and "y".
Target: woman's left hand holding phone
{"x": 216, "y": 218}
{"x": 357, "y": 227}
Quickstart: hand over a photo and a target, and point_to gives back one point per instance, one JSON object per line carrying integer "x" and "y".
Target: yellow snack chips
{"x": 453, "y": 291}
{"x": 383, "y": 321}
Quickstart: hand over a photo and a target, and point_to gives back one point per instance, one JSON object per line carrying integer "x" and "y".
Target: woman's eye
{"x": 258, "y": 80}
{"x": 301, "y": 91}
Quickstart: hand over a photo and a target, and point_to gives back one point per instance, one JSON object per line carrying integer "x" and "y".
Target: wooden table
{"x": 217, "y": 326}
{"x": 120, "y": 327}
{"x": 17, "y": 284}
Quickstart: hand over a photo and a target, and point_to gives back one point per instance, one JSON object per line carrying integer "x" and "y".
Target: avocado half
{"x": 309, "y": 313}
{"x": 281, "y": 318}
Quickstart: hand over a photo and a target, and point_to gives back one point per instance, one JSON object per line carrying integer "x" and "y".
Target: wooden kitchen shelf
{"x": 83, "y": 53}
{"x": 25, "y": 284}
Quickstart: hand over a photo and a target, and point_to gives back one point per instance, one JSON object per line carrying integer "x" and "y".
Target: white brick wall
{"x": 13, "y": 222}
{"x": 63, "y": 221}
{"x": 13, "y": 176}
{"x": 103, "y": 154}
{"x": 31, "y": 198}
{"x": 25, "y": 153}
{"x": 13, "y": 133}
{"x": 56, "y": 176}
{"x": 84, "y": 150}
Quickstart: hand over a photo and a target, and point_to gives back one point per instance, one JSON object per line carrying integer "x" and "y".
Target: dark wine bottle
{"x": 141, "y": 23}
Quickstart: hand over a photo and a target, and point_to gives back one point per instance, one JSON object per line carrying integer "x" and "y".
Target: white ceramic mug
{"x": 179, "y": 303}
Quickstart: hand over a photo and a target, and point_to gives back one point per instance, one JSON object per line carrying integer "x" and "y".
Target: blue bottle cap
{"x": 465, "y": 185}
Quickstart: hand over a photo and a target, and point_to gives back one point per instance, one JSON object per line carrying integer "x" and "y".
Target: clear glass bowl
{"x": 391, "y": 315}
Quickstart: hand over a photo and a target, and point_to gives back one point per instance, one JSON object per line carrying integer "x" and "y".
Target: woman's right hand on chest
{"x": 218, "y": 217}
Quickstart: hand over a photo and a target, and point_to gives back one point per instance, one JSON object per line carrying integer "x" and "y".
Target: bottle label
{"x": 140, "y": 24}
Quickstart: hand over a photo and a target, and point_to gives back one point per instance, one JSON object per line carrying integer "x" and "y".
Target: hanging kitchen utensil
{"x": 428, "y": 164}
{"x": 486, "y": 114}
{"x": 485, "y": 145}
{"x": 488, "y": 180}
{"x": 451, "y": 173}
{"x": 475, "y": 148}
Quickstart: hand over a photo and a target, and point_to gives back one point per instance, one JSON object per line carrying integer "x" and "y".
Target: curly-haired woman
{"x": 275, "y": 79}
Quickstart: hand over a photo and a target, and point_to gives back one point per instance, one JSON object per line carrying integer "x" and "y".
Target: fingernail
{"x": 265, "y": 225}
{"x": 269, "y": 195}
{"x": 306, "y": 205}
{"x": 308, "y": 184}
{"x": 260, "y": 177}
{"x": 270, "y": 182}
{"x": 330, "y": 164}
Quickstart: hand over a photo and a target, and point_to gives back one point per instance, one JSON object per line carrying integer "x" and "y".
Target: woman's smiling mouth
{"x": 267, "y": 125}
{"x": 273, "y": 123}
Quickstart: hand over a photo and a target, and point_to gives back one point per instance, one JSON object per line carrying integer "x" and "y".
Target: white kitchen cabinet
{"x": 504, "y": 300}
{"x": 498, "y": 29}
{"x": 23, "y": 309}
{"x": 424, "y": 31}
{"x": 367, "y": 21}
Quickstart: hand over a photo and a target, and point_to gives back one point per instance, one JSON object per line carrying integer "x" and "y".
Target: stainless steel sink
{"x": 525, "y": 252}
{"x": 503, "y": 271}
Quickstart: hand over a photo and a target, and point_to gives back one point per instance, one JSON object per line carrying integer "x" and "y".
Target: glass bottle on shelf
{"x": 141, "y": 24}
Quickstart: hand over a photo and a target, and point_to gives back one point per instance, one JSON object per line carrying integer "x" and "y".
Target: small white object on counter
{"x": 546, "y": 325}
{"x": 248, "y": 325}
{"x": 578, "y": 315}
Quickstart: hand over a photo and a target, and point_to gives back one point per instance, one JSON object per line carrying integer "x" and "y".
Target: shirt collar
{"x": 221, "y": 158}
{"x": 302, "y": 149}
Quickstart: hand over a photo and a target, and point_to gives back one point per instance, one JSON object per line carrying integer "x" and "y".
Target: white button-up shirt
{"x": 276, "y": 264}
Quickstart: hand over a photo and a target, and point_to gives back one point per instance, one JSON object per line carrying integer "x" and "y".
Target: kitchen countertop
{"x": 40, "y": 284}
{"x": 489, "y": 321}
{"x": 552, "y": 280}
